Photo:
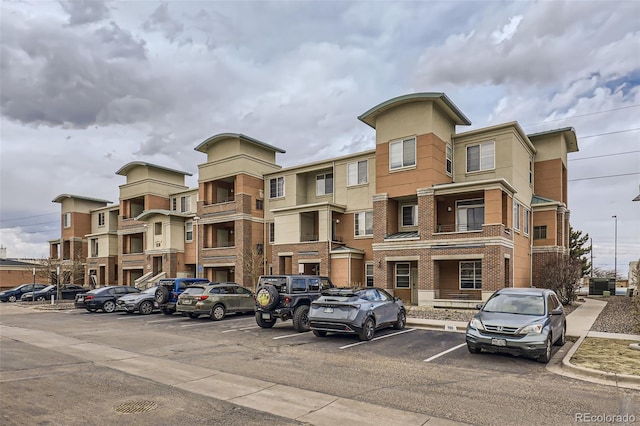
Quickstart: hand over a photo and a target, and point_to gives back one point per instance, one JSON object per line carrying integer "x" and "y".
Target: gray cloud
{"x": 85, "y": 11}
{"x": 161, "y": 20}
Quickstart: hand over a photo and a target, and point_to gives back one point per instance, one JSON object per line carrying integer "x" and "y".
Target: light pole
{"x": 615, "y": 250}
{"x": 196, "y": 219}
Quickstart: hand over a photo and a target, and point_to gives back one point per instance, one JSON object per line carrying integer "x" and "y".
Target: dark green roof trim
{"x": 216, "y": 138}
{"x": 403, "y": 235}
{"x": 147, "y": 213}
{"x": 61, "y": 197}
{"x": 127, "y": 168}
{"x": 440, "y": 99}
{"x": 569, "y": 134}
{"x": 536, "y": 199}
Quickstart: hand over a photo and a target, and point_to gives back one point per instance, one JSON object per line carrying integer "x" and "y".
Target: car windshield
{"x": 151, "y": 290}
{"x": 522, "y": 304}
{"x": 193, "y": 290}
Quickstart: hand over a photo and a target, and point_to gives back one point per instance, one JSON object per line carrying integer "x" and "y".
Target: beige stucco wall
{"x": 149, "y": 187}
{"x": 416, "y": 118}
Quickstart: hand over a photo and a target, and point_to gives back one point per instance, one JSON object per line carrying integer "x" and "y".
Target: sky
{"x": 89, "y": 86}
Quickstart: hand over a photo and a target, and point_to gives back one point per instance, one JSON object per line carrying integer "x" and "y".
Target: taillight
{"x": 89, "y": 297}
{"x": 202, "y": 297}
{"x": 287, "y": 300}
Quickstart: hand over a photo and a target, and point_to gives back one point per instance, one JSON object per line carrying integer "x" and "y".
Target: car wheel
{"x": 547, "y": 352}
{"x": 368, "y": 329}
{"x": 473, "y": 349}
{"x": 108, "y": 306}
{"x": 267, "y": 297}
{"x": 320, "y": 333}
{"x": 218, "y": 312}
{"x": 402, "y": 320}
{"x": 12, "y": 298}
{"x": 162, "y": 295}
{"x": 563, "y": 338}
{"x": 263, "y": 323}
{"x": 40, "y": 298}
{"x": 146, "y": 307}
{"x": 301, "y": 318}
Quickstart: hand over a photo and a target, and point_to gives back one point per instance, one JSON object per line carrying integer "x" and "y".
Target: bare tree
{"x": 253, "y": 264}
{"x": 71, "y": 271}
{"x": 561, "y": 275}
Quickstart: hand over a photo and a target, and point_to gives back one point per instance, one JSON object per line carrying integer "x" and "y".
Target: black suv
{"x": 286, "y": 297}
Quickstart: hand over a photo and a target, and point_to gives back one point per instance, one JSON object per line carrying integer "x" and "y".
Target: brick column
{"x": 426, "y": 213}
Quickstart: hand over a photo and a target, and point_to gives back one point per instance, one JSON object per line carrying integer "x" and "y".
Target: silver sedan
{"x": 359, "y": 311}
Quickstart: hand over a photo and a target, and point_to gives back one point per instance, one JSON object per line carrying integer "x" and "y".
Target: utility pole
{"x": 591, "y": 252}
{"x": 615, "y": 250}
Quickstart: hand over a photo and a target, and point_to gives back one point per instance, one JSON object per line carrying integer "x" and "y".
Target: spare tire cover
{"x": 162, "y": 295}
{"x": 267, "y": 297}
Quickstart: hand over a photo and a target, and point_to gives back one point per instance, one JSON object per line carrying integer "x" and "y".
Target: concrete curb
{"x": 614, "y": 379}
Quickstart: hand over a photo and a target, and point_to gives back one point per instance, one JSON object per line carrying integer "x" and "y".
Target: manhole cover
{"x": 136, "y": 407}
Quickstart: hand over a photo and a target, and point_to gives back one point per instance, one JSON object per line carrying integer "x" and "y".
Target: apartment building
{"x": 436, "y": 216}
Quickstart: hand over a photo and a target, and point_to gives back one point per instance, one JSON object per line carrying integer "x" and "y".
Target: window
{"x": 471, "y": 275}
{"x": 259, "y": 248}
{"x": 357, "y": 173}
{"x": 368, "y": 273}
{"x": 531, "y": 172}
{"x": 363, "y": 223}
{"x": 272, "y": 232}
{"x": 402, "y": 153}
{"x": 67, "y": 220}
{"x": 298, "y": 285}
{"x": 410, "y": 215}
{"x": 516, "y": 215}
{"x": 324, "y": 184}
{"x": 101, "y": 219}
{"x": 449, "y": 164}
{"x": 94, "y": 247}
{"x": 527, "y": 218}
{"x": 174, "y": 204}
{"x": 259, "y": 204}
{"x": 188, "y": 231}
{"x": 470, "y": 215}
{"x": 403, "y": 275}
{"x": 157, "y": 228}
{"x": 480, "y": 157}
{"x": 185, "y": 204}
{"x": 276, "y": 187}
{"x": 540, "y": 232}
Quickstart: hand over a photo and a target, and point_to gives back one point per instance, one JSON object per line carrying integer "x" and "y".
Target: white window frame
{"x": 360, "y": 223}
{"x": 527, "y": 219}
{"x": 174, "y": 204}
{"x": 279, "y": 187}
{"x": 101, "y": 221}
{"x": 531, "y": 172}
{"x": 465, "y": 205}
{"x": 157, "y": 228}
{"x": 398, "y": 148}
{"x": 272, "y": 232}
{"x": 67, "y": 220}
{"x": 403, "y": 276}
{"x": 354, "y": 175}
{"x": 185, "y": 204}
{"x": 188, "y": 231}
{"x": 537, "y": 232}
{"x": 368, "y": 274}
{"x": 476, "y": 268}
{"x": 516, "y": 215}
{"x": 321, "y": 184}
{"x": 486, "y": 156}
{"x": 414, "y": 215}
{"x": 449, "y": 160}
{"x": 94, "y": 247}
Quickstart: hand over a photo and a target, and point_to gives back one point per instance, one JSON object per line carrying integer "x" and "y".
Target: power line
{"x": 603, "y": 155}
{"x": 604, "y": 177}
{"x": 610, "y": 133}
{"x": 34, "y": 224}
{"x": 28, "y": 217}
{"x": 583, "y": 115}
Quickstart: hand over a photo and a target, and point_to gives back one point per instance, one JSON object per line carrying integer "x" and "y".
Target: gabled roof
{"x": 127, "y": 168}
{"x": 162, "y": 212}
{"x": 13, "y": 262}
{"x": 204, "y": 146}
{"x": 569, "y": 134}
{"x": 62, "y": 197}
{"x": 439, "y": 99}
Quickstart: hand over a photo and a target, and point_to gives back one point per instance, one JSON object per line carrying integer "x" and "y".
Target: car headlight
{"x": 533, "y": 328}
{"x": 476, "y": 323}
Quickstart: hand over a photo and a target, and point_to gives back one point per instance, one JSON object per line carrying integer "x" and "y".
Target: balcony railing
{"x": 309, "y": 237}
{"x": 223, "y": 200}
{"x": 470, "y": 227}
{"x": 223, "y": 244}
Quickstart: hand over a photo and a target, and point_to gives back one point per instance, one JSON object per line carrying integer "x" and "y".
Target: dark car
{"x": 16, "y": 293}
{"x": 215, "y": 300}
{"x": 359, "y": 311}
{"x": 525, "y": 321}
{"x": 103, "y": 298}
{"x": 67, "y": 291}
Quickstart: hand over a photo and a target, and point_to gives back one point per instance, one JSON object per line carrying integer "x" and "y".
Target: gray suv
{"x": 524, "y": 321}
{"x": 288, "y": 297}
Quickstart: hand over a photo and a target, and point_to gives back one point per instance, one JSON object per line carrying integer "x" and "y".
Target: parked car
{"x": 359, "y": 311}
{"x": 16, "y": 293}
{"x": 215, "y": 300}
{"x": 287, "y": 297}
{"x": 67, "y": 291}
{"x": 103, "y": 298}
{"x": 144, "y": 302}
{"x": 170, "y": 288}
{"x": 525, "y": 321}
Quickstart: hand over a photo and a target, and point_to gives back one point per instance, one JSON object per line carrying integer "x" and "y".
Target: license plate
{"x": 186, "y": 302}
{"x": 498, "y": 342}
{"x": 266, "y": 316}
{"x": 328, "y": 310}
{"x": 80, "y": 299}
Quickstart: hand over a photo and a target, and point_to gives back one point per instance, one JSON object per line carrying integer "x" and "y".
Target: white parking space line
{"x": 378, "y": 338}
{"x": 288, "y": 335}
{"x": 196, "y": 324}
{"x": 445, "y": 352}
{"x": 241, "y": 329}
{"x": 165, "y": 320}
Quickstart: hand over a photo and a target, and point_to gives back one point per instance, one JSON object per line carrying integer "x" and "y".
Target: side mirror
{"x": 479, "y": 306}
{"x": 557, "y": 311}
